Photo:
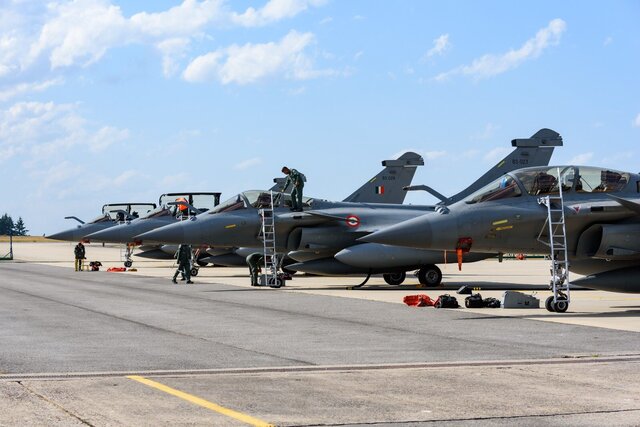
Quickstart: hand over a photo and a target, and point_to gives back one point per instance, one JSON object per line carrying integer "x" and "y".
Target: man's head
{"x": 285, "y": 170}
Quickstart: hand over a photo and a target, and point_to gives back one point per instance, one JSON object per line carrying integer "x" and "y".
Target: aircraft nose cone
{"x": 68, "y": 235}
{"x": 414, "y": 233}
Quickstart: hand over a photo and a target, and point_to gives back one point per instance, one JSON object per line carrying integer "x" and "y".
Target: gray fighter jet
{"x": 112, "y": 215}
{"x": 592, "y": 212}
{"x": 172, "y": 207}
{"x": 385, "y": 187}
{"x": 326, "y": 228}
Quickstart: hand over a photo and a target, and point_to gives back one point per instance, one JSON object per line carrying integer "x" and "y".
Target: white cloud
{"x": 496, "y": 154}
{"x": 274, "y": 10}
{"x": 124, "y": 178}
{"x": 45, "y": 130}
{"x": 246, "y": 164}
{"x": 105, "y": 137}
{"x": 252, "y": 62}
{"x": 636, "y": 121}
{"x": 487, "y": 133}
{"x": 440, "y": 46}
{"x": 326, "y": 20}
{"x": 607, "y": 41}
{"x": 581, "y": 159}
{"x": 24, "y": 88}
{"x": 172, "y": 51}
{"x": 432, "y": 155}
{"x": 80, "y": 32}
{"x": 491, "y": 64}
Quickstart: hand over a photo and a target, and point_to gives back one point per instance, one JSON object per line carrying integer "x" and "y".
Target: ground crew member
{"x": 183, "y": 256}
{"x": 297, "y": 179}
{"x": 80, "y": 255}
{"x": 255, "y": 261}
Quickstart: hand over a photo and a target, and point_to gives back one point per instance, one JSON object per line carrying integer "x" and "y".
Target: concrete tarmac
{"x": 98, "y": 348}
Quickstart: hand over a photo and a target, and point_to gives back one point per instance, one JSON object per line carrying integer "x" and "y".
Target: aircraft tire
{"x": 549, "y": 305}
{"x": 430, "y": 275}
{"x": 128, "y": 263}
{"x": 394, "y": 279}
{"x": 194, "y": 272}
{"x": 275, "y": 283}
{"x": 561, "y": 305}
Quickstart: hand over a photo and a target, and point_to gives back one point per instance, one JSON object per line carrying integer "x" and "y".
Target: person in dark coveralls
{"x": 255, "y": 261}
{"x": 297, "y": 179}
{"x": 183, "y": 256}
{"x": 80, "y": 255}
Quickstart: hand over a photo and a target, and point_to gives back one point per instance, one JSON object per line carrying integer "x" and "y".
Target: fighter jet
{"x": 385, "y": 187}
{"x": 172, "y": 207}
{"x": 326, "y": 228}
{"x": 592, "y": 212}
{"x": 112, "y": 214}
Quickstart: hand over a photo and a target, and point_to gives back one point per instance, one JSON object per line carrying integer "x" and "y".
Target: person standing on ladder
{"x": 297, "y": 179}
{"x": 79, "y": 252}
{"x": 255, "y": 262}
{"x": 184, "y": 263}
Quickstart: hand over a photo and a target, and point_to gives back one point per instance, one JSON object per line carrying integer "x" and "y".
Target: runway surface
{"x": 118, "y": 349}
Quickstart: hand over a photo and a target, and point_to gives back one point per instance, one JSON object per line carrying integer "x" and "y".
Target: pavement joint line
{"x": 248, "y": 419}
{"x": 57, "y": 405}
{"x": 457, "y": 420}
{"x": 566, "y": 360}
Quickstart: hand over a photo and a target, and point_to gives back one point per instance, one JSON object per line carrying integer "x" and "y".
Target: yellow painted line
{"x": 502, "y": 221}
{"x": 500, "y": 164}
{"x": 201, "y": 402}
{"x": 372, "y": 179}
{"x": 230, "y": 226}
{"x": 508, "y": 227}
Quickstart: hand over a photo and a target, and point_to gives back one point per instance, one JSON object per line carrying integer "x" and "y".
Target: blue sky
{"x": 108, "y": 101}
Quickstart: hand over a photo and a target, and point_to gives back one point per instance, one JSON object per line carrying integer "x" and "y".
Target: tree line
{"x": 7, "y": 226}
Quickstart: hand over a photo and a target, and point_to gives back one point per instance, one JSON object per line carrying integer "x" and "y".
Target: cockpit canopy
{"x": 257, "y": 199}
{"x": 543, "y": 181}
{"x": 203, "y": 202}
{"x": 122, "y": 211}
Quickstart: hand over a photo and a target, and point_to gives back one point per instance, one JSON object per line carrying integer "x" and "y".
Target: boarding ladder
{"x": 555, "y": 226}
{"x": 270, "y": 274}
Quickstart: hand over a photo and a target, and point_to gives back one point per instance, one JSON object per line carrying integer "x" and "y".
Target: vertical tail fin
{"x": 529, "y": 152}
{"x": 386, "y": 187}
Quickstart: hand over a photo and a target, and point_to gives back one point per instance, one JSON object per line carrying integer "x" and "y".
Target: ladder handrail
{"x": 556, "y": 225}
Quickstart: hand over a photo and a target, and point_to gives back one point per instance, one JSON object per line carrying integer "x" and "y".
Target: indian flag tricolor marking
{"x": 380, "y": 189}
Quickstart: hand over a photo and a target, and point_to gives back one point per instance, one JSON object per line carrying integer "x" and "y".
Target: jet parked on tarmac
{"x": 385, "y": 187}
{"x": 593, "y": 212}
{"x": 172, "y": 207}
{"x": 323, "y": 238}
{"x": 112, "y": 214}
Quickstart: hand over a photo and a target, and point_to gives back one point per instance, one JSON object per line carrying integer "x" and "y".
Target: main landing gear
{"x": 429, "y": 275}
{"x": 559, "y": 306}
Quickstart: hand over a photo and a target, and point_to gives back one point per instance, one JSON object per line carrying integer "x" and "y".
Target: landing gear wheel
{"x": 430, "y": 275}
{"x": 549, "y": 305}
{"x": 275, "y": 283}
{"x": 128, "y": 263}
{"x": 561, "y": 305}
{"x": 394, "y": 279}
{"x": 194, "y": 272}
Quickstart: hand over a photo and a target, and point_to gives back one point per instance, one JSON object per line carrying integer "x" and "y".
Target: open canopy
{"x": 257, "y": 199}
{"x": 542, "y": 181}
